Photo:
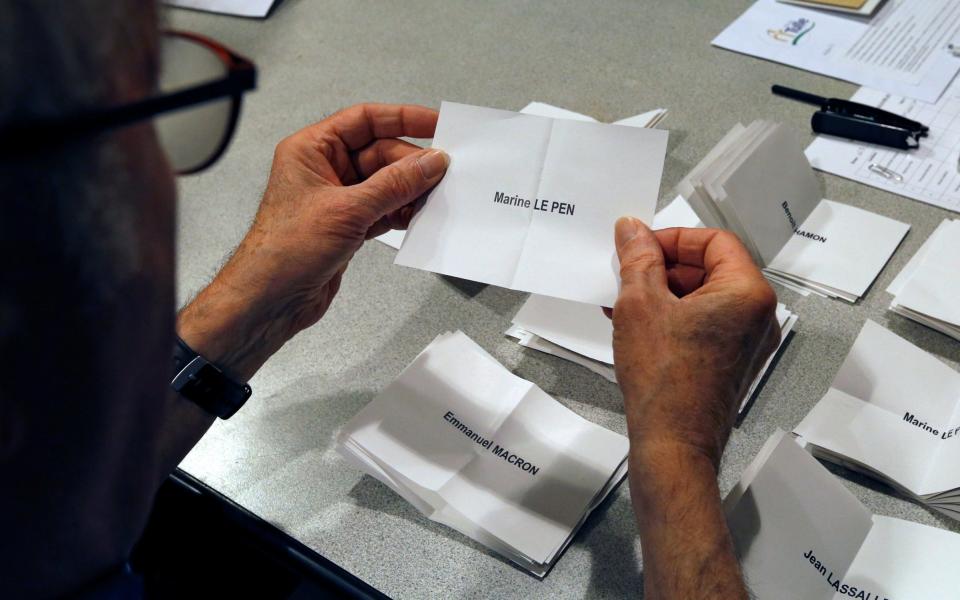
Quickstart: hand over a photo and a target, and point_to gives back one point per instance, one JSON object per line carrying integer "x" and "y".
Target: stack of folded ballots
{"x": 474, "y": 447}
{"x": 799, "y": 533}
{"x": 758, "y": 184}
{"x": 581, "y": 333}
{"x": 893, "y": 413}
{"x": 927, "y": 290}
{"x": 650, "y": 118}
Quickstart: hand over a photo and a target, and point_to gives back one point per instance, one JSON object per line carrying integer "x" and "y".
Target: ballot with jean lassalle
{"x": 529, "y": 202}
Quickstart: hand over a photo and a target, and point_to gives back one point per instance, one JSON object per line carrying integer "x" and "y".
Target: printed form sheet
{"x": 930, "y": 173}
{"x": 901, "y": 50}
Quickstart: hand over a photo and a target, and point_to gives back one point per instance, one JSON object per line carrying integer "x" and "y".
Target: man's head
{"x": 86, "y": 234}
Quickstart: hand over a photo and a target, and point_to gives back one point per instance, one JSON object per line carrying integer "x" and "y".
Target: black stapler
{"x": 851, "y": 120}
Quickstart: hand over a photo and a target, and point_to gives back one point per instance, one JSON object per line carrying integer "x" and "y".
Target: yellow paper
{"x": 854, "y": 4}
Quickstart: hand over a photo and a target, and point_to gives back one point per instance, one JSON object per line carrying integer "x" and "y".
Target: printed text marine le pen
{"x": 560, "y": 208}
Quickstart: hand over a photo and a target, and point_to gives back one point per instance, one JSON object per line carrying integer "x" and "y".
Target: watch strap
{"x": 206, "y": 385}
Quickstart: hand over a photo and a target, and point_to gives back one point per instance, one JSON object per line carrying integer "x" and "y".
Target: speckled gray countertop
{"x": 607, "y": 59}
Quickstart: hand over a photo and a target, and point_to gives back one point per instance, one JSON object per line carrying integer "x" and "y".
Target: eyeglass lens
{"x": 190, "y": 137}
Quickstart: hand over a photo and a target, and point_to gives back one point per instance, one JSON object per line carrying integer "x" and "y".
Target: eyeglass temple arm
{"x": 19, "y": 138}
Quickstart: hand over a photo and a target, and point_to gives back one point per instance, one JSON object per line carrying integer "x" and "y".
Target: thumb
{"x": 641, "y": 257}
{"x": 405, "y": 180}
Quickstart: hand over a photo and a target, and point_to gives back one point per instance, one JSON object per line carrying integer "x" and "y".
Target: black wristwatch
{"x": 200, "y": 381}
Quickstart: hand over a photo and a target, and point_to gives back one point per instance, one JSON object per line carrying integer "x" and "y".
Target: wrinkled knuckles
{"x": 630, "y": 302}
{"x": 761, "y": 299}
{"x": 643, "y": 262}
{"x": 727, "y": 237}
{"x": 394, "y": 184}
{"x": 285, "y": 147}
{"x": 353, "y": 213}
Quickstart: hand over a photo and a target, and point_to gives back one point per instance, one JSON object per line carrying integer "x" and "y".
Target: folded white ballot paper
{"x": 651, "y": 118}
{"x": 582, "y": 334}
{"x": 529, "y": 202}
{"x": 485, "y": 452}
{"x": 927, "y": 290}
{"x": 757, "y": 183}
{"x": 893, "y": 413}
{"x": 799, "y": 533}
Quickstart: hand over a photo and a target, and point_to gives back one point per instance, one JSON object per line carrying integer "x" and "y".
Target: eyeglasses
{"x": 201, "y": 88}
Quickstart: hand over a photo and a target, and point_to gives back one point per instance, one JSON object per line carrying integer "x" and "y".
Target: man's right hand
{"x": 694, "y": 323}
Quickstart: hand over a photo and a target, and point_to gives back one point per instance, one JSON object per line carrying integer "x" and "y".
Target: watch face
{"x": 208, "y": 387}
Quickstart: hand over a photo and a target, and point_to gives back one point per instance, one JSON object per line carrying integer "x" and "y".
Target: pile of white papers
{"x": 901, "y": 50}
{"x": 893, "y": 413}
{"x": 799, "y": 533}
{"x": 529, "y": 202}
{"x": 582, "y": 334}
{"x": 758, "y": 184}
{"x": 652, "y": 118}
{"x": 474, "y": 447}
{"x": 927, "y": 290}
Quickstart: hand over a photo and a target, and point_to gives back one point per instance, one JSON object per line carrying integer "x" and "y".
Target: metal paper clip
{"x": 885, "y": 172}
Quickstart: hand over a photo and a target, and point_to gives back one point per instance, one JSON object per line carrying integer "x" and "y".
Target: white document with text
{"x": 529, "y": 202}
{"x": 799, "y": 533}
{"x": 485, "y": 452}
{"x": 651, "y": 118}
{"x": 901, "y": 50}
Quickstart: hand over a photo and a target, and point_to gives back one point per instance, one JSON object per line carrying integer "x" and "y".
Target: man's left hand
{"x": 333, "y": 185}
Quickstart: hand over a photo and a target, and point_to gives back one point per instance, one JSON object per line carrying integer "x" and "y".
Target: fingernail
{"x": 625, "y": 230}
{"x": 433, "y": 164}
